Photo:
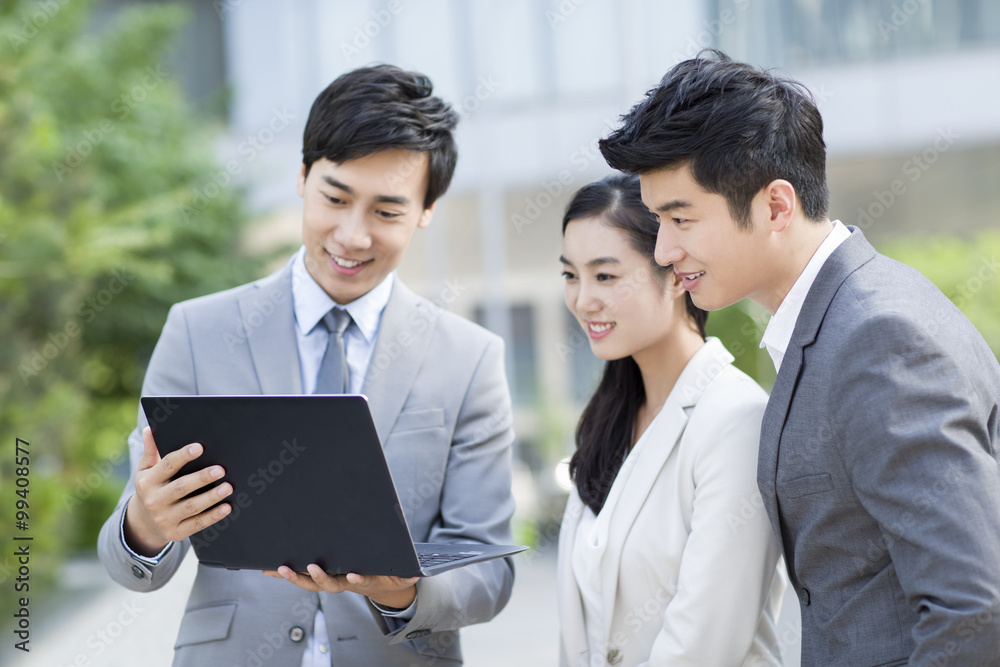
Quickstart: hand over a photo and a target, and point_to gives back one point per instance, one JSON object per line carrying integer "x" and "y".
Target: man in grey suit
{"x": 878, "y": 454}
{"x": 377, "y": 153}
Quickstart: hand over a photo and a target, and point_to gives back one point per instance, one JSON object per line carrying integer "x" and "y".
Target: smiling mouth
{"x": 691, "y": 279}
{"x": 348, "y": 263}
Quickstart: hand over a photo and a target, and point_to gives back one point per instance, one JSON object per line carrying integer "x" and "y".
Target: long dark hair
{"x": 604, "y": 434}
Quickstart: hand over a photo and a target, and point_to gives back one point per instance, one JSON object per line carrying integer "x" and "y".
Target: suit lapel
{"x": 404, "y": 335}
{"x": 640, "y": 473}
{"x": 847, "y": 258}
{"x": 637, "y": 481}
{"x": 571, "y": 617}
{"x": 770, "y": 432}
{"x": 269, "y": 323}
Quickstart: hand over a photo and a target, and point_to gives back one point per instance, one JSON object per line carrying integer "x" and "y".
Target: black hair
{"x": 736, "y": 126}
{"x": 604, "y": 433}
{"x": 377, "y": 108}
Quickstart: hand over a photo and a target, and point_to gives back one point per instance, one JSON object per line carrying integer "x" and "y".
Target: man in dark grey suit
{"x": 378, "y": 151}
{"x": 878, "y": 459}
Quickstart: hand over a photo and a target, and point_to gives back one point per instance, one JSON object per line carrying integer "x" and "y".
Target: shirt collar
{"x": 311, "y": 302}
{"x": 779, "y": 330}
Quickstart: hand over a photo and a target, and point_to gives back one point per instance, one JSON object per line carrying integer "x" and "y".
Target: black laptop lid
{"x": 300, "y": 467}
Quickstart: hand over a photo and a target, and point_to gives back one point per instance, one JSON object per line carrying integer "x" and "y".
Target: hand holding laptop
{"x": 160, "y": 511}
{"x": 308, "y": 486}
{"x": 388, "y": 591}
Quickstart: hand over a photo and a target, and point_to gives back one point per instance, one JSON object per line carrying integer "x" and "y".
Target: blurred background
{"x": 149, "y": 151}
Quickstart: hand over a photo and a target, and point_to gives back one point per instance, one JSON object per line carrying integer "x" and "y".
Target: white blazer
{"x": 690, "y": 571}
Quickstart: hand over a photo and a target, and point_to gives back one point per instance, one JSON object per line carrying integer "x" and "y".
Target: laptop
{"x": 310, "y": 485}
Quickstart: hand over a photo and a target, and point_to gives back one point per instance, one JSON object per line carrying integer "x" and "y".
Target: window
{"x": 823, "y": 32}
{"x": 522, "y": 364}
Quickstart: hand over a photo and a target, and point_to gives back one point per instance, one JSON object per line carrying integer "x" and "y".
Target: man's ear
{"x": 425, "y": 217}
{"x": 782, "y": 204}
{"x": 300, "y": 185}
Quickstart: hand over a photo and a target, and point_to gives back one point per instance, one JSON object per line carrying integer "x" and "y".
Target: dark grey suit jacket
{"x": 878, "y": 470}
{"x": 440, "y": 403}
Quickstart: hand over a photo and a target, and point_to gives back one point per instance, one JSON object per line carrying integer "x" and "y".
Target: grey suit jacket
{"x": 441, "y": 406}
{"x": 878, "y": 470}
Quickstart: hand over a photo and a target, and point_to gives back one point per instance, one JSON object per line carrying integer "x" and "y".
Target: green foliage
{"x": 740, "y": 327}
{"x": 100, "y": 232}
{"x": 966, "y": 270}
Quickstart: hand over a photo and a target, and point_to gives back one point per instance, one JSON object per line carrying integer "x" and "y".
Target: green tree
{"x": 967, "y": 270}
{"x": 101, "y": 230}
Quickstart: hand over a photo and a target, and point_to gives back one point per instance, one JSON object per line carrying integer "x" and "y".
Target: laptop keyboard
{"x": 431, "y": 559}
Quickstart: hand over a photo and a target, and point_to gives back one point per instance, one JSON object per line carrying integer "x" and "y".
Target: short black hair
{"x": 381, "y": 107}
{"x": 736, "y": 126}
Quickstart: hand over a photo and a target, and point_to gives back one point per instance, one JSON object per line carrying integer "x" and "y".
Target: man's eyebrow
{"x": 388, "y": 199}
{"x": 672, "y": 205}
{"x": 337, "y": 184}
{"x": 382, "y": 199}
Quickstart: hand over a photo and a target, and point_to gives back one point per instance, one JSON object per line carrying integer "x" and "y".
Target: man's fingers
{"x": 320, "y": 576}
{"x": 192, "y": 525}
{"x": 356, "y": 579}
{"x": 198, "y": 507}
{"x": 331, "y": 584}
{"x": 150, "y": 455}
{"x": 302, "y": 581}
{"x": 188, "y": 484}
{"x": 174, "y": 461}
{"x": 380, "y": 581}
{"x": 168, "y": 465}
{"x": 316, "y": 579}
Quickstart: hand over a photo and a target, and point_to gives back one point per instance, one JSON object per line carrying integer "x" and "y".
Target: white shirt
{"x": 778, "y": 333}
{"x": 586, "y": 570}
{"x": 588, "y": 550}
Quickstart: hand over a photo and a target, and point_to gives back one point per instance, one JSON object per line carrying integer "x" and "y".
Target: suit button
{"x": 296, "y": 634}
{"x": 614, "y": 656}
{"x": 137, "y": 571}
{"x": 417, "y": 633}
{"x": 804, "y": 597}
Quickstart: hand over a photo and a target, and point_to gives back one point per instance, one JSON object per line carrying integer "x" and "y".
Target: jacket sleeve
{"x": 728, "y": 565}
{"x": 170, "y": 372}
{"x": 917, "y": 448}
{"x": 476, "y": 506}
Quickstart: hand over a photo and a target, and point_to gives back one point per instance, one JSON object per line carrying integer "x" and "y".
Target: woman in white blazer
{"x": 665, "y": 555}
